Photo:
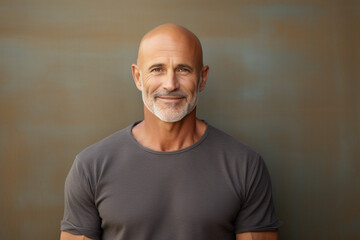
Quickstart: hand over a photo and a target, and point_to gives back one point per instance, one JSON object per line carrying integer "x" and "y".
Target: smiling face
{"x": 170, "y": 73}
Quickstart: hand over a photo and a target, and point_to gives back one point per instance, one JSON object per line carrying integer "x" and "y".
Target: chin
{"x": 172, "y": 118}
{"x": 171, "y": 114}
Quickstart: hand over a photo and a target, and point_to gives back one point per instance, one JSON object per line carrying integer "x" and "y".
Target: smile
{"x": 170, "y": 98}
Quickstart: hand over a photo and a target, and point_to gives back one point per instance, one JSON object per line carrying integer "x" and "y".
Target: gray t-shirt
{"x": 118, "y": 189}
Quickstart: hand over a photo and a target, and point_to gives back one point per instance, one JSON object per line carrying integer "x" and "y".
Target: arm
{"x": 81, "y": 217}
{"x": 68, "y": 236}
{"x": 268, "y": 235}
{"x": 256, "y": 219}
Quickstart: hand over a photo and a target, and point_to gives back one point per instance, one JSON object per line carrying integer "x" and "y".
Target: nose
{"x": 171, "y": 83}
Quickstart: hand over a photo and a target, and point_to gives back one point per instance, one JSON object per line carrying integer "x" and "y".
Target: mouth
{"x": 170, "y": 98}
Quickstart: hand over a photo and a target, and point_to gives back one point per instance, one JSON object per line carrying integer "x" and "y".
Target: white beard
{"x": 173, "y": 112}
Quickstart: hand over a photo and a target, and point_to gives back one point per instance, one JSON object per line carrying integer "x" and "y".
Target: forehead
{"x": 163, "y": 48}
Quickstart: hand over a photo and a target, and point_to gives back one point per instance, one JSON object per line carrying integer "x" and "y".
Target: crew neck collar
{"x": 194, "y": 145}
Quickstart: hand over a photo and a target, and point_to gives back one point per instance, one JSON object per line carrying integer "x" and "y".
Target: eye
{"x": 183, "y": 70}
{"x": 156, "y": 70}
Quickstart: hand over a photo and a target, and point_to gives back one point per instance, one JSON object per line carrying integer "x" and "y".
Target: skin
{"x": 170, "y": 60}
{"x": 266, "y": 235}
{"x": 170, "y": 47}
{"x": 68, "y": 236}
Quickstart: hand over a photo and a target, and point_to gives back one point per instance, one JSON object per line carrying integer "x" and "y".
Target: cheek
{"x": 149, "y": 83}
{"x": 190, "y": 86}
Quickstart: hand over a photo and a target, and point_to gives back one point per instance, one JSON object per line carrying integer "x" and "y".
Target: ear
{"x": 204, "y": 76}
{"x": 136, "y": 76}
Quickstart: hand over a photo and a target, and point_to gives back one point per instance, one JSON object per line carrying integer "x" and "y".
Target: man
{"x": 170, "y": 176}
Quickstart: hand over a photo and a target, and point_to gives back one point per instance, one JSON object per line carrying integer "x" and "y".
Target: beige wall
{"x": 284, "y": 78}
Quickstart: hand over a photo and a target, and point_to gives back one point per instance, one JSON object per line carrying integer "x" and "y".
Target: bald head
{"x": 169, "y": 72}
{"x": 168, "y": 37}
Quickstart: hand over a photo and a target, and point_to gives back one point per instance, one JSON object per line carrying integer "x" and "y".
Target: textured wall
{"x": 284, "y": 78}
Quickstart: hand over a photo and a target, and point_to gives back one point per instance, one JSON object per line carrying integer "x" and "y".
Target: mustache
{"x": 170, "y": 94}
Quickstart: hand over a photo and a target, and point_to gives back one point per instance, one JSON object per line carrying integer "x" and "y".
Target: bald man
{"x": 170, "y": 176}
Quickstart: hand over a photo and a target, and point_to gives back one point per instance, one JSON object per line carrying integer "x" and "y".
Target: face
{"x": 169, "y": 74}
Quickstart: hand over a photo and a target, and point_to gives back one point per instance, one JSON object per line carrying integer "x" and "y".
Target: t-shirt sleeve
{"x": 257, "y": 212}
{"x": 81, "y": 216}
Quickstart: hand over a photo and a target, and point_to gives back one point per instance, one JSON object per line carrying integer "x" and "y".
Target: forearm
{"x": 268, "y": 235}
{"x": 68, "y": 236}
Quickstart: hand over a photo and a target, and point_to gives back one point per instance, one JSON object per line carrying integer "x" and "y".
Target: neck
{"x": 168, "y": 136}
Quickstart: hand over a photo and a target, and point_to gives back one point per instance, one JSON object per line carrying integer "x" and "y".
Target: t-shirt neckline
{"x": 194, "y": 145}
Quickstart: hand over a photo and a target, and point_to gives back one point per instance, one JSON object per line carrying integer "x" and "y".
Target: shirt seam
{"x": 163, "y": 153}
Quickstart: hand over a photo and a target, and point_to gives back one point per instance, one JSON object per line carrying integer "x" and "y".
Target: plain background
{"x": 284, "y": 78}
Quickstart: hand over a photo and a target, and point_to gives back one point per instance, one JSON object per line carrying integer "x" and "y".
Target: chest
{"x": 148, "y": 196}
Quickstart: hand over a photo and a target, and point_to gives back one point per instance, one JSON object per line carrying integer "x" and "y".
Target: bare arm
{"x": 68, "y": 236}
{"x": 268, "y": 235}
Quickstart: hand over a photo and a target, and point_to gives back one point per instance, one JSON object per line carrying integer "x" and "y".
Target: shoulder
{"x": 224, "y": 141}
{"x": 237, "y": 160}
{"x": 104, "y": 150}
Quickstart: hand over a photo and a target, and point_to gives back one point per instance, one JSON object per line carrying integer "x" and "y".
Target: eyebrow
{"x": 185, "y": 66}
{"x": 161, "y": 65}
{"x": 156, "y": 65}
